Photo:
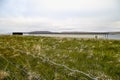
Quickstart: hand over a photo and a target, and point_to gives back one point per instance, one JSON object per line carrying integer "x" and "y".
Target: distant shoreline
{"x": 97, "y": 36}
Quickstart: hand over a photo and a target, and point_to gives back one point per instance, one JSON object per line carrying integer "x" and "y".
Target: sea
{"x": 109, "y": 36}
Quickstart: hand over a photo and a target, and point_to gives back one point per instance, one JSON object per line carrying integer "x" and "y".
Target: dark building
{"x": 17, "y": 33}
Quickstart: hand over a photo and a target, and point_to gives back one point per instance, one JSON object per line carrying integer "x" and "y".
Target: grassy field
{"x": 45, "y": 58}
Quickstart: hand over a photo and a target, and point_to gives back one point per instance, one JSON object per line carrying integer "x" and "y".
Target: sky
{"x": 59, "y": 15}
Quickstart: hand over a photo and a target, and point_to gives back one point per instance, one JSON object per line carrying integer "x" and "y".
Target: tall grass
{"x": 45, "y": 58}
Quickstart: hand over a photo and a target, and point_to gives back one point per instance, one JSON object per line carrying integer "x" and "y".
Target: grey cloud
{"x": 31, "y": 12}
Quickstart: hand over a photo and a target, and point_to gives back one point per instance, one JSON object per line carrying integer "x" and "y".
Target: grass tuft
{"x": 46, "y": 58}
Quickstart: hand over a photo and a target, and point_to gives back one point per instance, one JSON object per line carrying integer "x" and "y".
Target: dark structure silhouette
{"x": 17, "y": 33}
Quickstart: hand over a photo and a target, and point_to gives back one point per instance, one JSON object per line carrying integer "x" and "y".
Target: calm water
{"x": 110, "y": 36}
{"x": 116, "y": 36}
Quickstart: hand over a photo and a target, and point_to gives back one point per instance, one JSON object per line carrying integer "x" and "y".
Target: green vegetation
{"x": 45, "y": 58}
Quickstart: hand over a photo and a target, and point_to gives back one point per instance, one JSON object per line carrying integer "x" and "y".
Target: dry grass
{"x": 45, "y": 58}
{"x": 3, "y": 75}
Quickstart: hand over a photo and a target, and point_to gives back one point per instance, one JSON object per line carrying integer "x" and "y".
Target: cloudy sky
{"x": 59, "y": 15}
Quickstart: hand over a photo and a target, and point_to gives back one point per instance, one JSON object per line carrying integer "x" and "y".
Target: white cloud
{"x": 115, "y": 25}
{"x": 43, "y": 23}
{"x": 81, "y": 5}
{"x": 30, "y": 15}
